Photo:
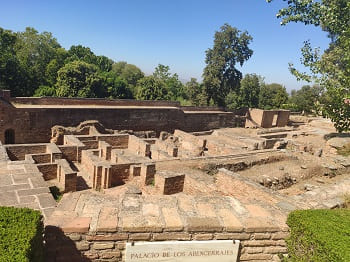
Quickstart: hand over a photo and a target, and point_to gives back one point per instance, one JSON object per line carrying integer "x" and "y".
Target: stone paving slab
{"x": 24, "y": 189}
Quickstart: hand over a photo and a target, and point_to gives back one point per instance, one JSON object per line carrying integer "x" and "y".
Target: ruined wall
{"x": 257, "y": 244}
{"x": 33, "y": 118}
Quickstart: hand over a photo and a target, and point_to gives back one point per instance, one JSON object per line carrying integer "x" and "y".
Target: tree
{"x": 332, "y": 68}
{"x": 151, "y": 88}
{"x": 306, "y": 99}
{"x": 12, "y": 75}
{"x": 195, "y": 92}
{"x": 80, "y": 79}
{"x": 128, "y": 72}
{"x": 175, "y": 88}
{"x": 34, "y": 52}
{"x": 116, "y": 86}
{"x": 220, "y": 76}
{"x": 249, "y": 90}
{"x": 272, "y": 96}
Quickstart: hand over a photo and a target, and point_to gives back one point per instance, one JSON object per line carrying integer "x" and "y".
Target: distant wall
{"x": 33, "y": 124}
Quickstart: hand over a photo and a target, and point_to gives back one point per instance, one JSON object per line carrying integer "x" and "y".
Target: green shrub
{"x": 319, "y": 235}
{"x": 21, "y": 233}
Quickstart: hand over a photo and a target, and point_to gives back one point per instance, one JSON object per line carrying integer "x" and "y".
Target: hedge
{"x": 319, "y": 235}
{"x": 21, "y": 235}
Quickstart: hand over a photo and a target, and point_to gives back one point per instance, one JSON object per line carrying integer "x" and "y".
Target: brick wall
{"x": 263, "y": 245}
{"x": 33, "y": 124}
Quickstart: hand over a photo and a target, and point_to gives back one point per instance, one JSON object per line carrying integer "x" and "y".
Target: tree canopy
{"x": 220, "y": 76}
{"x": 332, "y": 68}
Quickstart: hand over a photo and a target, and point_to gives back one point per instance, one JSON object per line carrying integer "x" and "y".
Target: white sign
{"x": 184, "y": 251}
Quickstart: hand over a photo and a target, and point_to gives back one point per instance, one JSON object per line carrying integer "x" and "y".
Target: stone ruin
{"x": 123, "y": 187}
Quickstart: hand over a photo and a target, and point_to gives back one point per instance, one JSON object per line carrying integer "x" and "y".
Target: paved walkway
{"x": 22, "y": 185}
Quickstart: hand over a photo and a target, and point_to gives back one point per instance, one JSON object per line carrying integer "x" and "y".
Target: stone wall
{"x": 32, "y": 118}
{"x": 257, "y": 244}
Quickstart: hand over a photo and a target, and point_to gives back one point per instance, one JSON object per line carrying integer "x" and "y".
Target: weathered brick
{"x": 91, "y": 255}
{"x": 231, "y": 223}
{"x": 172, "y": 236}
{"x": 103, "y": 245}
{"x": 172, "y": 219}
{"x": 207, "y": 224}
{"x": 253, "y": 250}
{"x": 77, "y": 225}
{"x": 114, "y": 237}
{"x": 120, "y": 245}
{"x": 233, "y": 236}
{"x": 110, "y": 254}
{"x": 82, "y": 245}
{"x": 140, "y": 236}
{"x": 261, "y": 236}
{"x": 203, "y": 237}
{"x": 74, "y": 237}
{"x": 108, "y": 220}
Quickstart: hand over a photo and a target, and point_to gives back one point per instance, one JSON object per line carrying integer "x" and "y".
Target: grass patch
{"x": 56, "y": 193}
{"x": 21, "y": 231}
{"x": 319, "y": 235}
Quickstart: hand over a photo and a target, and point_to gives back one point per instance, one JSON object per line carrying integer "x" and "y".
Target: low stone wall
{"x": 257, "y": 244}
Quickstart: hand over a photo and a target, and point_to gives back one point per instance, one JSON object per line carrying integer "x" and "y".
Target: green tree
{"x": 272, "y": 96}
{"x": 45, "y": 91}
{"x": 34, "y": 52}
{"x": 151, "y": 88}
{"x": 116, "y": 86}
{"x": 332, "y": 68}
{"x": 220, "y": 76}
{"x": 249, "y": 90}
{"x": 195, "y": 92}
{"x": 80, "y": 79}
{"x": 306, "y": 99}
{"x": 128, "y": 72}
{"x": 12, "y": 75}
{"x": 175, "y": 88}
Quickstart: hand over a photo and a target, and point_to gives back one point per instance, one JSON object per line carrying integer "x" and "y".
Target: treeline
{"x": 35, "y": 64}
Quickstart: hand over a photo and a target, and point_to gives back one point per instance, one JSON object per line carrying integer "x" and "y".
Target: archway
{"x": 9, "y": 136}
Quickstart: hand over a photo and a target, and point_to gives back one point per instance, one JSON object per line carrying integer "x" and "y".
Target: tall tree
{"x": 272, "y": 96}
{"x": 12, "y": 76}
{"x": 332, "y": 68}
{"x": 151, "y": 88}
{"x": 195, "y": 92}
{"x": 220, "y": 75}
{"x": 80, "y": 79}
{"x": 249, "y": 90}
{"x": 306, "y": 99}
{"x": 34, "y": 52}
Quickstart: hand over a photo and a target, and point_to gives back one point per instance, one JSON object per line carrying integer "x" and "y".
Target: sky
{"x": 175, "y": 33}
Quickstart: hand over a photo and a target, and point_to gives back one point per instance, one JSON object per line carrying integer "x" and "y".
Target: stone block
{"x": 171, "y": 236}
{"x": 172, "y": 219}
{"x": 204, "y": 224}
{"x": 203, "y": 236}
{"x": 77, "y": 225}
{"x": 103, "y": 245}
{"x": 113, "y": 237}
{"x": 140, "y": 236}
{"x": 107, "y": 220}
{"x": 169, "y": 182}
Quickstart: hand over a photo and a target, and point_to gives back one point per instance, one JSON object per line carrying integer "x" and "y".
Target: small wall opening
{"x": 9, "y": 136}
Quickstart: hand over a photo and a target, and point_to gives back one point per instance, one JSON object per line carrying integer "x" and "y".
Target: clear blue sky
{"x": 174, "y": 33}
